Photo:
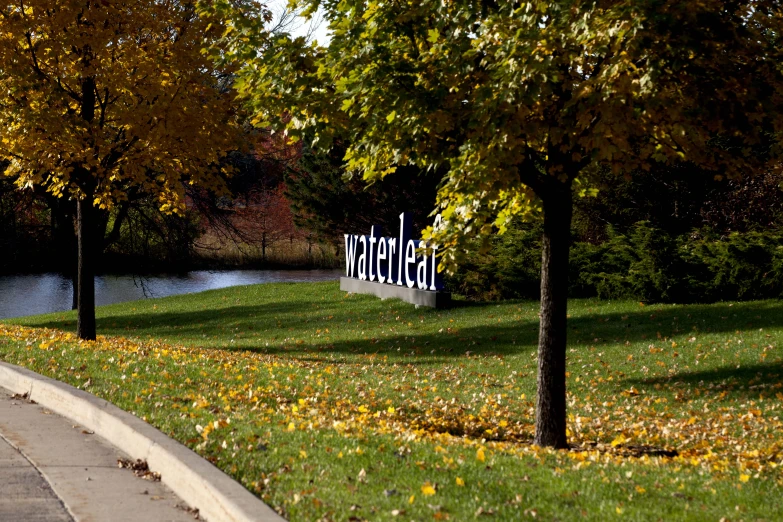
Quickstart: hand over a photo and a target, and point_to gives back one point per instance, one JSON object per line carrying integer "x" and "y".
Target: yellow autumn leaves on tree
{"x": 99, "y": 97}
{"x": 103, "y": 99}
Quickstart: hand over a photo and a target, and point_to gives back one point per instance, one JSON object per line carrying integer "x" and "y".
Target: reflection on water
{"x": 39, "y": 294}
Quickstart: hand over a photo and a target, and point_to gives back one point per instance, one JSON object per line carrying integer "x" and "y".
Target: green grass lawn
{"x": 335, "y": 407}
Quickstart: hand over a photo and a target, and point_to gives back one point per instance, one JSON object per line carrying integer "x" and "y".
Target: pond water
{"x": 22, "y": 295}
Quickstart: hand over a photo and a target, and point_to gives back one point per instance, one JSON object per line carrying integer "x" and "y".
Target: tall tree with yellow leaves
{"x": 98, "y": 97}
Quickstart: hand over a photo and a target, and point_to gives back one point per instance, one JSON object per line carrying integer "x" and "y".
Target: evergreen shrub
{"x": 645, "y": 264}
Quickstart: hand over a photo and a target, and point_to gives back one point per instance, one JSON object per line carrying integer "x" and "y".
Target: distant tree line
{"x": 38, "y": 231}
{"x": 329, "y": 204}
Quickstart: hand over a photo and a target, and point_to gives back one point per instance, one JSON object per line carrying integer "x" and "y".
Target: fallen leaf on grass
{"x": 428, "y": 489}
{"x": 618, "y": 440}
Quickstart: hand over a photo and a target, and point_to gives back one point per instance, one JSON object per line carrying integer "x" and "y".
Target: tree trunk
{"x": 86, "y": 226}
{"x": 75, "y": 287}
{"x": 551, "y": 398}
{"x": 73, "y": 260}
{"x": 85, "y": 325}
{"x": 64, "y": 238}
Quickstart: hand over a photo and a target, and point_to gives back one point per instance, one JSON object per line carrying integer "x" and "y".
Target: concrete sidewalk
{"x": 24, "y": 494}
{"x": 53, "y": 470}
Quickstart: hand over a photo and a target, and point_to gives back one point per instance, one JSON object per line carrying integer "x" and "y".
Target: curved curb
{"x": 195, "y": 480}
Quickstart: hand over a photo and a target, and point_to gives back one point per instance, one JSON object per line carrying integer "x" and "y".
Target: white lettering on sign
{"x": 363, "y": 259}
{"x": 410, "y": 258}
{"x": 381, "y": 257}
{"x": 392, "y": 250}
{"x": 373, "y": 240}
{"x": 392, "y": 260}
{"x": 351, "y": 242}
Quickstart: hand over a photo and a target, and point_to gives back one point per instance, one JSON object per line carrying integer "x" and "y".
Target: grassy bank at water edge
{"x": 336, "y": 407}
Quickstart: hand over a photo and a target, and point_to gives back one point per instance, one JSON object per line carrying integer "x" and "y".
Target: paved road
{"x": 53, "y": 471}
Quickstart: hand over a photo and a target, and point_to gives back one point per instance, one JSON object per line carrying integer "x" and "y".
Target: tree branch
{"x": 119, "y": 220}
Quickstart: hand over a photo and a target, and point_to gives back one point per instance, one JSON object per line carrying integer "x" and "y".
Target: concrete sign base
{"x": 387, "y": 291}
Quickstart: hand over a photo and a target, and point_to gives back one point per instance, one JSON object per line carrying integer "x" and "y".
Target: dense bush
{"x": 509, "y": 267}
{"x": 645, "y": 263}
{"x": 678, "y": 200}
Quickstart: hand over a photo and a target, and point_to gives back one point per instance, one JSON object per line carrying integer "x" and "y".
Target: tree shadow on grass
{"x": 670, "y": 321}
{"x": 287, "y": 322}
{"x": 746, "y": 381}
{"x": 193, "y": 323}
{"x": 418, "y": 348}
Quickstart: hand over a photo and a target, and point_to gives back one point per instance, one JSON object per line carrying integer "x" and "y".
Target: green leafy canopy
{"x": 516, "y": 99}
